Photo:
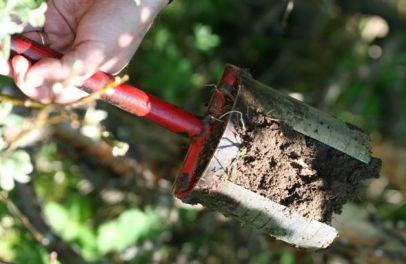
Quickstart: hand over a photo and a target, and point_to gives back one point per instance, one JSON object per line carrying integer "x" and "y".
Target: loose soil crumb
{"x": 297, "y": 171}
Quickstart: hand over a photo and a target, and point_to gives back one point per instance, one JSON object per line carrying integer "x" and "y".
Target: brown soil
{"x": 297, "y": 171}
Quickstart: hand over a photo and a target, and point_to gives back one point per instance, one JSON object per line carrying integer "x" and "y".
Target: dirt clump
{"x": 297, "y": 171}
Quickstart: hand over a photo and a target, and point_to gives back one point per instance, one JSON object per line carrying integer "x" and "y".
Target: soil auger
{"x": 216, "y": 140}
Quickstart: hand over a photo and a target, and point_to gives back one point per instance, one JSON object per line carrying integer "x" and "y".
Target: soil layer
{"x": 297, "y": 171}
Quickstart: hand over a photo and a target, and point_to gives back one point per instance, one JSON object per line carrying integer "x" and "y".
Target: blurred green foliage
{"x": 349, "y": 62}
{"x": 27, "y": 11}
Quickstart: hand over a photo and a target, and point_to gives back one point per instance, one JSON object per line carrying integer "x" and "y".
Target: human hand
{"x": 93, "y": 35}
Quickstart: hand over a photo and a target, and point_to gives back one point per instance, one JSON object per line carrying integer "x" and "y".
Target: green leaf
{"x": 287, "y": 258}
{"x": 127, "y": 229}
{"x": 66, "y": 221}
{"x": 16, "y": 167}
{"x": 57, "y": 215}
{"x": 205, "y": 39}
{"x": 5, "y": 43}
{"x": 5, "y": 110}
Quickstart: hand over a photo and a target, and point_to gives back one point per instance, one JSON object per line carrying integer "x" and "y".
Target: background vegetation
{"x": 65, "y": 195}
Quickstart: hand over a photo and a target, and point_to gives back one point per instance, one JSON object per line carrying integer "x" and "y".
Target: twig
{"x": 40, "y": 121}
{"x": 211, "y": 85}
{"x": 13, "y": 209}
{"x": 100, "y": 150}
{"x": 98, "y": 94}
{"x": 19, "y": 102}
{"x": 288, "y": 11}
{"x": 31, "y": 209}
{"x": 43, "y": 120}
{"x": 239, "y": 114}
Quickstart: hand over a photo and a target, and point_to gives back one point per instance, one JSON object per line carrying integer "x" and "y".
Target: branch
{"x": 32, "y": 212}
{"x": 98, "y": 94}
{"x": 20, "y": 102}
{"x": 143, "y": 181}
{"x": 101, "y": 151}
{"x": 13, "y": 209}
{"x": 43, "y": 118}
{"x": 34, "y": 223}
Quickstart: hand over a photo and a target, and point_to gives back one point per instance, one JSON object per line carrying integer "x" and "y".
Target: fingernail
{"x": 20, "y": 65}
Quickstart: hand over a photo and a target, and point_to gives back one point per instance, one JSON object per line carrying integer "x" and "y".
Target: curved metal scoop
{"x": 210, "y": 184}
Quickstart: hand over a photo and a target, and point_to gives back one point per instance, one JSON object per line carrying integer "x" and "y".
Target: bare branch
{"x": 97, "y": 95}
{"x": 20, "y": 102}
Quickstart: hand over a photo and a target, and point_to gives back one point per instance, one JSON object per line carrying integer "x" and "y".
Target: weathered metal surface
{"x": 275, "y": 219}
{"x": 216, "y": 192}
{"x": 306, "y": 119}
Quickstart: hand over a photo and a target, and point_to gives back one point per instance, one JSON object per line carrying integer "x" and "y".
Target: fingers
{"x": 20, "y": 66}
{"x": 5, "y": 64}
{"x": 45, "y": 81}
{"x": 30, "y": 87}
{"x": 55, "y": 80}
{"x": 66, "y": 94}
{"x": 32, "y": 33}
{"x": 59, "y": 77}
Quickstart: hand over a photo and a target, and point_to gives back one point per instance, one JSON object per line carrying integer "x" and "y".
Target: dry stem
{"x": 20, "y": 102}
{"x": 98, "y": 94}
{"x": 13, "y": 209}
{"x": 43, "y": 118}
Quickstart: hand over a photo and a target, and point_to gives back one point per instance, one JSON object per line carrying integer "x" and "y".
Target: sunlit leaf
{"x": 205, "y": 38}
{"x": 5, "y": 110}
{"x": 127, "y": 229}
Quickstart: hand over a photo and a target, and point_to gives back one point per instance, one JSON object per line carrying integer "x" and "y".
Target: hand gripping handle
{"x": 126, "y": 97}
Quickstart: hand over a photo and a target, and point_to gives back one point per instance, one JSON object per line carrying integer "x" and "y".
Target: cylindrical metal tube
{"x": 126, "y": 97}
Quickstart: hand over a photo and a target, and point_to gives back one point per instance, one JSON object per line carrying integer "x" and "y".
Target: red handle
{"x": 126, "y": 97}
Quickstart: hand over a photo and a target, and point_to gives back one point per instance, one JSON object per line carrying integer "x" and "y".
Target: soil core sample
{"x": 297, "y": 171}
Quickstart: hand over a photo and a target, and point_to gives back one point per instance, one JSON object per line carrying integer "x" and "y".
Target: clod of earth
{"x": 296, "y": 171}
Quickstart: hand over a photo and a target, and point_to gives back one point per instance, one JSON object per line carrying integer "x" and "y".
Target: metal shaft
{"x": 126, "y": 97}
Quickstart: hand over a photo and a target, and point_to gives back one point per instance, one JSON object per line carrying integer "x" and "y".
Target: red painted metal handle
{"x": 126, "y": 97}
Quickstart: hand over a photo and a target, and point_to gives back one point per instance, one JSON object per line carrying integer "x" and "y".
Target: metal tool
{"x": 215, "y": 143}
